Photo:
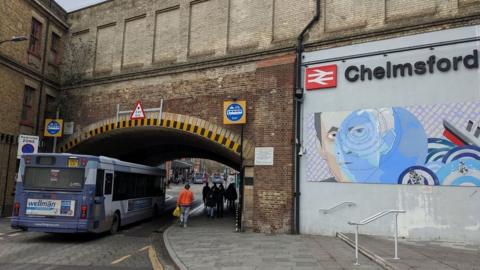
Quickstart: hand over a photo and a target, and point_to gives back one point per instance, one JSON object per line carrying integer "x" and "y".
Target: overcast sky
{"x": 70, "y": 5}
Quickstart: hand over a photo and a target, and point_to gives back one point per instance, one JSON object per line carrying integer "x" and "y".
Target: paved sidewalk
{"x": 423, "y": 254}
{"x": 214, "y": 244}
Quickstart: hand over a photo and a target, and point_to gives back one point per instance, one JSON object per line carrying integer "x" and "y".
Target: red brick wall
{"x": 266, "y": 85}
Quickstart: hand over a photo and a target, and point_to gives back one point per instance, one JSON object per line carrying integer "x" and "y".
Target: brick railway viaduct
{"x": 196, "y": 54}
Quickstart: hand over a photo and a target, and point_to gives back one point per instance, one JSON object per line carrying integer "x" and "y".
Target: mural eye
{"x": 332, "y": 135}
{"x": 357, "y": 131}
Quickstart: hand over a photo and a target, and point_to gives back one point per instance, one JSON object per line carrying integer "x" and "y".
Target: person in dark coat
{"x": 205, "y": 191}
{"x": 220, "y": 194}
{"x": 231, "y": 196}
{"x": 210, "y": 201}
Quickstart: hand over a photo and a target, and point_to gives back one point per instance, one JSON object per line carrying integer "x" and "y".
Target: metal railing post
{"x": 372, "y": 218}
{"x": 396, "y": 237}
{"x": 356, "y": 245}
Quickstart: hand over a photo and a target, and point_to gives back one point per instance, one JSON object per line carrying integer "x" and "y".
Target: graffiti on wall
{"x": 418, "y": 145}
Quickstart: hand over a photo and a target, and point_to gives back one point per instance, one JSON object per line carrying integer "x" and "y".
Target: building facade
{"x": 30, "y": 76}
{"x": 191, "y": 56}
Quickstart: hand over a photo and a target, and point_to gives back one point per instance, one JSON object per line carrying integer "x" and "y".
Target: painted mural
{"x": 417, "y": 145}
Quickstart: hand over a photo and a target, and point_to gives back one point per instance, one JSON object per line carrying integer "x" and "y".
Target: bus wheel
{"x": 115, "y": 224}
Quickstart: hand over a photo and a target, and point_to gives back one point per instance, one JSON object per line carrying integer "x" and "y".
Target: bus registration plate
{"x": 44, "y": 207}
{"x": 72, "y": 163}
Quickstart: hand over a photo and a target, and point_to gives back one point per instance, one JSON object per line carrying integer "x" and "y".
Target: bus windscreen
{"x": 53, "y": 178}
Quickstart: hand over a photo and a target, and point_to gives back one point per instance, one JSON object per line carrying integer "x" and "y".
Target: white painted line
{"x": 168, "y": 197}
{"x": 1, "y": 234}
{"x": 121, "y": 259}
{"x": 144, "y": 248}
{"x": 14, "y": 234}
{"x": 201, "y": 206}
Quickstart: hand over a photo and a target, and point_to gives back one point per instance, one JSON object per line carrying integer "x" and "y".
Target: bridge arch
{"x": 158, "y": 138}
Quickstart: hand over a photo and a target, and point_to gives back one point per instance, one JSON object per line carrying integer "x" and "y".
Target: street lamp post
{"x": 15, "y": 39}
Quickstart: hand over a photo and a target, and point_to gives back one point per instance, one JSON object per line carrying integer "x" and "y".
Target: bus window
{"x": 53, "y": 178}
{"x": 108, "y": 183}
{"x": 99, "y": 183}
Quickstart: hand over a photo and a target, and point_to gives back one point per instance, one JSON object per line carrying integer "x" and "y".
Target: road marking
{"x": 152, "y": 254}
{"x": 121, "y": 259}
{"x": 14, "y": 234}
{"x": 168, "y": 197}
{"x": 201, "y": 206}
{"x": 144, "y": 248}
{"x": 1, "y": 234}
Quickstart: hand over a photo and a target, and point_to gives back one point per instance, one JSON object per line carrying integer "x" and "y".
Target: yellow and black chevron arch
{"x": 183, "y": 123}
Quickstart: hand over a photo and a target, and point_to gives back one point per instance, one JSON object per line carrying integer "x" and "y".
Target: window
{"x": 50, "y": 110}
{"x": 53, "y": 178}
{"x": 99, "y": 183}
{"x": 108, "y": 183}
{"x": 55, "y": 49}
{"x": 27, "y": 108}
{"x": 132, "y": 186}
{"x": 35, "y": 37}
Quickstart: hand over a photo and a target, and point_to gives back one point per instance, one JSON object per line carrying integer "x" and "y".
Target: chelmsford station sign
{"x": 391, "y": 70}
{"x": 325, "y": 76}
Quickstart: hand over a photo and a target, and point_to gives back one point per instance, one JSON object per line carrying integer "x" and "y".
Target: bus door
{"x": 102, "y": 200}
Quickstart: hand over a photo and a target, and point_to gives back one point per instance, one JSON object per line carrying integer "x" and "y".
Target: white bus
{"x": 79, "y": 193}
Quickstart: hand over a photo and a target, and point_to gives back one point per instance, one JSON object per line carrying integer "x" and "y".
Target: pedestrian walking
{"x": 210, "y": 202}
{"x": 185, "y": 200}
{"x": 205, "y": 191}
{"x": 220, "y": 195}
{"x": 231, "y": 196}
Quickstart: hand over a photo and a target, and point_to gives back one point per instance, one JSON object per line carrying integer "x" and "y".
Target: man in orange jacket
{"x": 185, "y": 200}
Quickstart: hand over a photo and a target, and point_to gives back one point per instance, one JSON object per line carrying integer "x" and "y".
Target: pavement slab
{"x": 213, "y": 244}
{"x": 423, "y": 254}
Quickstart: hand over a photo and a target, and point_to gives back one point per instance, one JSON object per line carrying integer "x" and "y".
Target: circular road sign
{"x": 28, "y": 148}
{"x": 234, "y": 112}
{"x": 53, "y": 127}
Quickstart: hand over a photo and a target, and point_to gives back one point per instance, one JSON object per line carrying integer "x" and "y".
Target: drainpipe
{"x": 42, "y": 82}
{"x": 298, "y": 111}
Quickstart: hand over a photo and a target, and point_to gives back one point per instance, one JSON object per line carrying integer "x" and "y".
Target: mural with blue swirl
{"x": 416, "y": 145}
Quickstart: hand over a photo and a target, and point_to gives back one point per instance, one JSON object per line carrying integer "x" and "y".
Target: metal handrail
{"x": 375, "y": 217}
{"x": 326, "y": 211}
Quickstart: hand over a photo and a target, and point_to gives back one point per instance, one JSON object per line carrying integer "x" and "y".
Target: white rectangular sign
{"x": 68, "y": 128}
{"x": 27, "y": 145}
{"x": 264, "y": 156}
{"x": 40, "y": 207}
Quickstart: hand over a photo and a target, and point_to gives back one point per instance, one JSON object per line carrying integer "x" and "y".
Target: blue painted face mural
{"x": 417, "y": 145}
{"x": 375, "y": 146}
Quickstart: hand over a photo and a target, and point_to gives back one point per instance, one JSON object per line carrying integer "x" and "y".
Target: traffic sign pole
{"x": 241, "y": 184}
{"x": 55, "y": 138}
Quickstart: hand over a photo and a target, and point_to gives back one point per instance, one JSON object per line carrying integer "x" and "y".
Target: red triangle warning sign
{"x": 138, "y": 112}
